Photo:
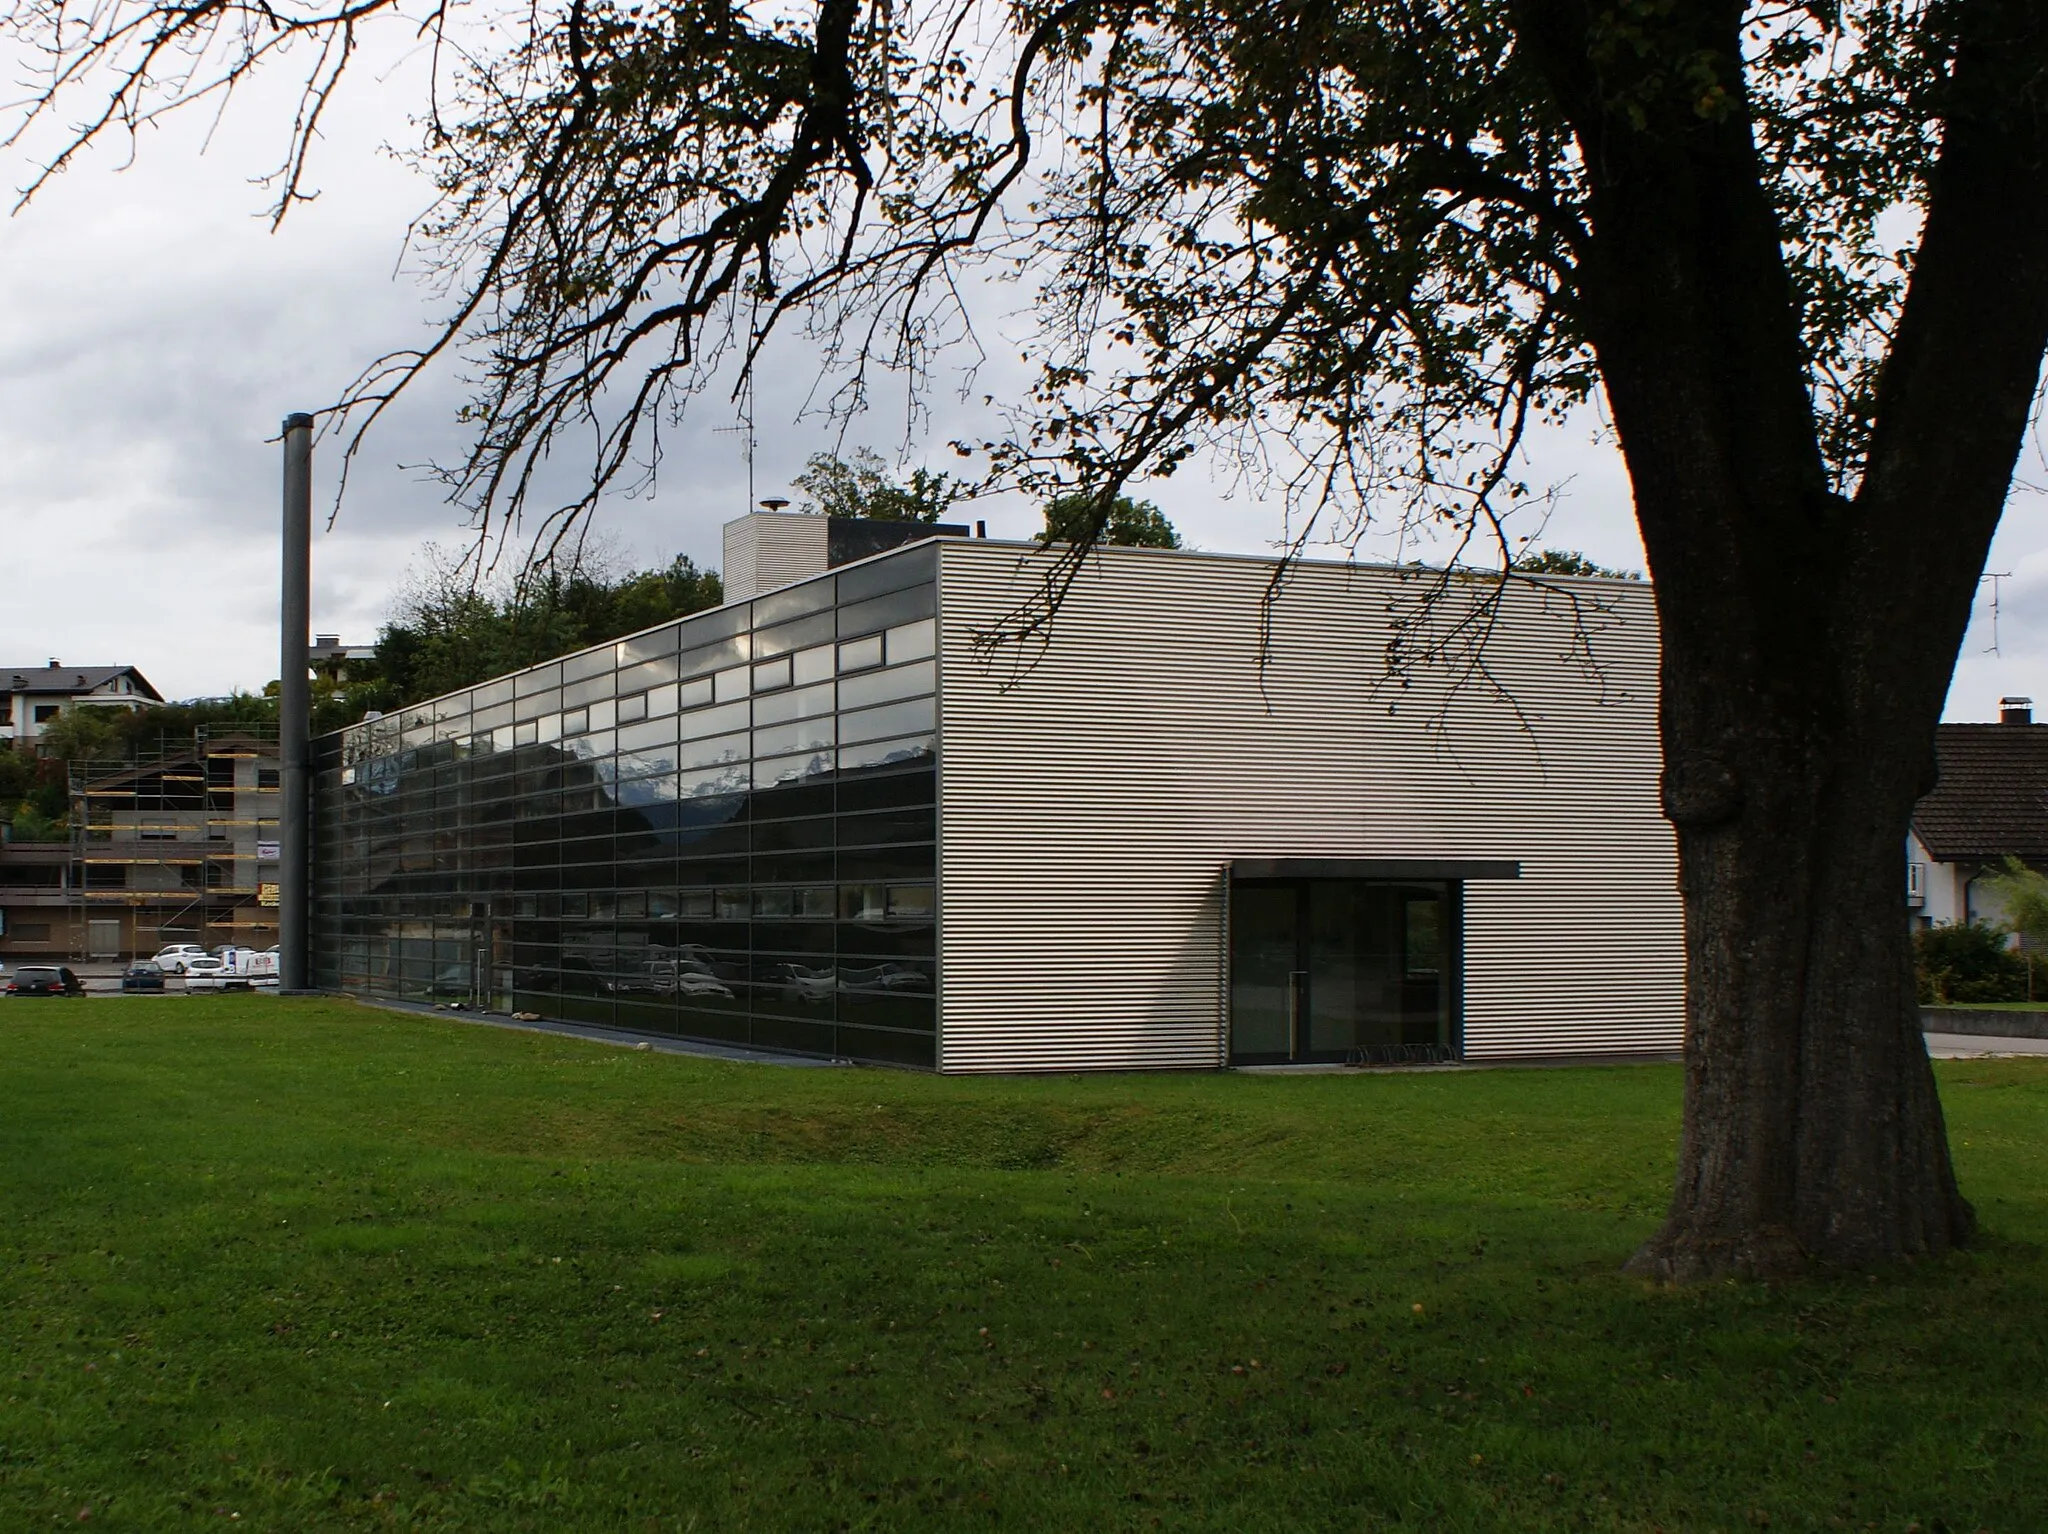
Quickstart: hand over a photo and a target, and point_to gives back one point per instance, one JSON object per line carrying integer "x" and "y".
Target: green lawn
{"x": 324, "y": 1267}
{"x": 1989, "y": 1006}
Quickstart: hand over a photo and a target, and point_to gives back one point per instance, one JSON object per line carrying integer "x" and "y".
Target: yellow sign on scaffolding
{"x": 266, "y": 894}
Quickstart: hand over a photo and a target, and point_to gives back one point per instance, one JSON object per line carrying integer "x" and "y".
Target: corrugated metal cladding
{"x": 768, "y": 549}
{"x": 1091, "y": 794}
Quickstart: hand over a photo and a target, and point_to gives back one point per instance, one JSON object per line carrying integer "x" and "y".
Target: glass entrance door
{"x": 1265, "y": 971}
{"x": 1340, "y": 970}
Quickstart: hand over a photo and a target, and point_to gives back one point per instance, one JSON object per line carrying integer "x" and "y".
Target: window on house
{"x": 268, "y": 777}
{"x": 45, "y": 712}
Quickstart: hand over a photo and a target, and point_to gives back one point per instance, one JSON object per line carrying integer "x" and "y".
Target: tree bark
{"x": 1808, "y": 640}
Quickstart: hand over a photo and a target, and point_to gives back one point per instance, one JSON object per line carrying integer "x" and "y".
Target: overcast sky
{"x": 153, "y": 333}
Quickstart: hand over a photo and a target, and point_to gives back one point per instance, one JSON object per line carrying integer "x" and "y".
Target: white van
{"x": 241, "y": 969}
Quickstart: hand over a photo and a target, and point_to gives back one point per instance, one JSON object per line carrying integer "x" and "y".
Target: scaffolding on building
{"x": 177, "y": 843}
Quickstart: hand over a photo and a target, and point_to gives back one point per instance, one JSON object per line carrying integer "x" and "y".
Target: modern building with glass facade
{"x": 1200, "y": 819}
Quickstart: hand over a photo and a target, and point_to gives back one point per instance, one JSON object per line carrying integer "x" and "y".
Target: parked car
{"x": 45, "y": 980}
{"x": 143, "y": 975}
{"x": 173, "y": 959}
{"x": 203, "y": 967}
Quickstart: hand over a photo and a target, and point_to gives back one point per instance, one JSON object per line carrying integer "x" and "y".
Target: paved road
{"x": 105, "y": 980}
{"x": 1975, "y": 1046}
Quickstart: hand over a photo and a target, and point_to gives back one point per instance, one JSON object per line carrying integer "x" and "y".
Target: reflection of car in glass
{"x": 803, "y": 982}
{"x": 144, "y": 975}
{"x": 576, "y": 977}
{"x": 454, "y": 980}
{"x": 634, "y": 985}
{"x": 885, "y": 977}
{"x": 45, "y": 980}
{"x": 690, "y": 972}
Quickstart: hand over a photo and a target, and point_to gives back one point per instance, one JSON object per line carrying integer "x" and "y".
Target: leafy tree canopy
{"x": 2022, "y": 893}
{"x": 1962, "y": 962}
{"x": 449, "y": 632}
{"x": 34, "y": 795}
{"x": 863, "y": 487}
{"x": 84, "y": 735}
{"x": 1133, "y": 524}
{"x": 1567, "y": 562}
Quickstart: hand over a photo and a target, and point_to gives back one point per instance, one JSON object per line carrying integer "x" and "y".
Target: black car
{"x": 45, "y": 980}
{"x": 146, "y": 975}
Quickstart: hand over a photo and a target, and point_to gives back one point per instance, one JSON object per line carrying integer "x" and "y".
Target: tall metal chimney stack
{"x": 2015, "y": 710}
{"x": 294, "y": 708}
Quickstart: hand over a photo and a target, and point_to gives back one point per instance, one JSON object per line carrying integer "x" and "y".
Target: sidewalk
{"x": 104, "y": 979}
{"x": 1983, "y": 1046}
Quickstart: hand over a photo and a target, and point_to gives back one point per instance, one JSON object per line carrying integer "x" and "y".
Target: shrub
{"x": 1964, "y": 962}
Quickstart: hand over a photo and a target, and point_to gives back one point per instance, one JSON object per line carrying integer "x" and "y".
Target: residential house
{"x": 32, "y": 696}
{"x": 1989, "y": 802}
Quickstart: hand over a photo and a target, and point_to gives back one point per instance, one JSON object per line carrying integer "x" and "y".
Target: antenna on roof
{"x": 1994, "y": 576}
{"x": 743, "y": 425}
{"x": 775, "y": 503}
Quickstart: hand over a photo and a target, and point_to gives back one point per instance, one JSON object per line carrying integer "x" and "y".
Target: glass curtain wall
{"x": 724, "y": 828}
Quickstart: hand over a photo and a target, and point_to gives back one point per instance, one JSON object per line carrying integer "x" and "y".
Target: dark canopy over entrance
{"x": 1348, "y": 960}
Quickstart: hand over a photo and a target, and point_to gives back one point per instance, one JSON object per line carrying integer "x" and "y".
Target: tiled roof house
{"x": 32, "y": 696}
{"x": 1989, "y": 802}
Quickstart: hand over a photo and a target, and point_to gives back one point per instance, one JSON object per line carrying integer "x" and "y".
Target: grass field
{"x": 1990, "y": 1006}
{"x": 303, "y": 1265}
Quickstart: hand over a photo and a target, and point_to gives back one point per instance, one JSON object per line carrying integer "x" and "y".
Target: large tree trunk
{"x": 1812, "y": 1129}
{"x": 1808, "y": 640}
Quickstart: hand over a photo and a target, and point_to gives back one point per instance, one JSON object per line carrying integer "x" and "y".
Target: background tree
{"x": 1077, "y": 518}
{"x": 34, "y": 795}
{"x": 1360, "y": 246}
{"x": 2022, "y": 894}
{"x": 1969, "y": 961}
{"x": 1566, "y": 562}
{"x": 448, "y": 631}
{"x": 863, "y": 487}
{"x": 83, "y": 735}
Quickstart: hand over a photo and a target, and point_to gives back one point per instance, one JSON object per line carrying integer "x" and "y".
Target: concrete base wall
{"x": 1977, "y": 1020}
